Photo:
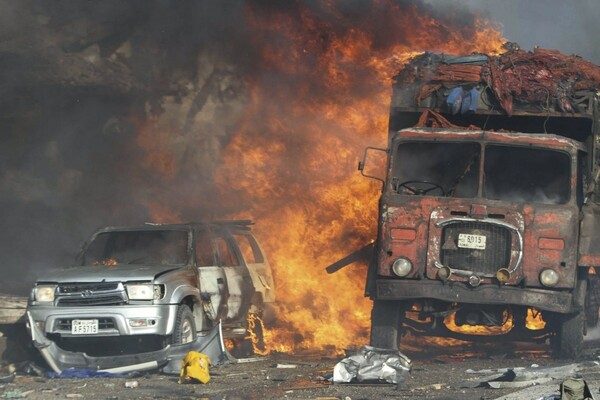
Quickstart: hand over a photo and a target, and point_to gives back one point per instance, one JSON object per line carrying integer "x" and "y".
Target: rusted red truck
{"x": 489, "y": 215}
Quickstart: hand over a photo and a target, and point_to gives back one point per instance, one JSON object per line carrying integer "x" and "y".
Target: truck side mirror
{"x": 379, "y": 173}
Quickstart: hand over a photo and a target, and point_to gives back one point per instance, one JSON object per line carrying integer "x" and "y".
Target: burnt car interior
{"x": 161, "y": 247}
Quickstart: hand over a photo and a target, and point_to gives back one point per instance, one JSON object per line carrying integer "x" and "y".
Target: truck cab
{"x": 488, "y": 222}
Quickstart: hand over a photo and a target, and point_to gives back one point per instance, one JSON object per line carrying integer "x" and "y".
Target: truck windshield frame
{"x": 527, "y": 174}
{"x": 524, "y": 174}
{"x": 436, "y": 168}
{"x": 140, "y": 247}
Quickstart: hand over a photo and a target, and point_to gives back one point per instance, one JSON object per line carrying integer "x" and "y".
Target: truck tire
{"x": 592, "y": 301}
{"x": 568, "y": 339}
{"x": 386, "y": 317}
{"x": 185, "y": 327}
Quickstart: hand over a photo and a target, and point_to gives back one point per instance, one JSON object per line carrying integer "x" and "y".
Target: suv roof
{"x": 242, "y": 223}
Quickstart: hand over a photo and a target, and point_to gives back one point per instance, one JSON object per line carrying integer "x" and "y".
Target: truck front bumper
{"x": 116, "y": 320}
{"x": 544, "y": 300}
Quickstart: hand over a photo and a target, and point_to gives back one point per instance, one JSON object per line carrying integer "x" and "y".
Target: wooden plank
{"x": 12, "y": 309}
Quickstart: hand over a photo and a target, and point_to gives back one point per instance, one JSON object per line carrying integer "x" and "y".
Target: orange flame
{"x": 318, "y": 94}
{"x": 450, "y": 323}
{"x": 534, "y": 320}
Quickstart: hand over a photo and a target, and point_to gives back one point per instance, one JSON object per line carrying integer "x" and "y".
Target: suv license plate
{"x": 468, "y": 241}
{"x": 84, "y": 326}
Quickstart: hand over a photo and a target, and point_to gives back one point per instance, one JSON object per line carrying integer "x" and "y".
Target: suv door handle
{"x": 220, "y": 281}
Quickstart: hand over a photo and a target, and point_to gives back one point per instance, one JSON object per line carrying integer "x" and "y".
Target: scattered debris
{"x": 278, "y": 377}
{"x": 194, "y": 368}
{"x": 16, "y": 394}
{"x": 131, "y": 384}
{"x": 286, "y": 366}
{"x": 522, "y": 377}
{"x": 372, "y": 363}
{"x": 575, "y": 389}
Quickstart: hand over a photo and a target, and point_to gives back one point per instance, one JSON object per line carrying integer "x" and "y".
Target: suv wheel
{"x": 185, "y": 327}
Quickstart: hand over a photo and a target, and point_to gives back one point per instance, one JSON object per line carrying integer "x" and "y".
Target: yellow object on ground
{"x": 194, "y": 367}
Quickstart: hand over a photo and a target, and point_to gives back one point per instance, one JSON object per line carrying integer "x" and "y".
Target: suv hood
{"x": 98, "y": 273}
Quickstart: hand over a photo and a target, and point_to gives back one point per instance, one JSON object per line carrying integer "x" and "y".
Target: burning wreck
{"x": 489, "y": 213}
{"x": 149, "y": 294}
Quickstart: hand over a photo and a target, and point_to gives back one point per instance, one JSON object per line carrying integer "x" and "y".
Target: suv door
{"x": 258, "y": 266}
{"x": 213, "y": 283}
{"x": 239, "y": 282}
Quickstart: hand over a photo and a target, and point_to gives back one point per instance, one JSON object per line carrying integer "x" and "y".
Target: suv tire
{"x": 185, "y": 327}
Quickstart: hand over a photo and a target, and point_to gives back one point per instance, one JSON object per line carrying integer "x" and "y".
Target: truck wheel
{"x": 592, "y": 301}
{"x": 386, "y": 317}
{"x": 185, "y": 328}
{"x": 568, "y": 339}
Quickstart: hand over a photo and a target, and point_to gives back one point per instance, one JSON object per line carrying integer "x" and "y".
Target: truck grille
{"x": 65, "y": 324}
{"x": 91, "y": 294}
{"x": 496, "y": 254}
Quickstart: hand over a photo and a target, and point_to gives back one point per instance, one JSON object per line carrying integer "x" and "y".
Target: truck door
{"x": 213, "y": 283}
{"x": 239, "y": 283}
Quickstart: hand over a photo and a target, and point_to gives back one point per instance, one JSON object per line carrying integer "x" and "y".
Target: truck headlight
{"x": 402, "y": 267}
{"x": 44, "y": 293}
{"x": 549, "y": 277}
{"x": 143, "y": 291}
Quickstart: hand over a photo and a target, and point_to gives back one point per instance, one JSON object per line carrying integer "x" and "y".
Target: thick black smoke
{"x": 113, "y": 111}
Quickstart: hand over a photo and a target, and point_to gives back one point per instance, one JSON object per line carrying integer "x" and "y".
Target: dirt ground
{"x": 438, "y": 372}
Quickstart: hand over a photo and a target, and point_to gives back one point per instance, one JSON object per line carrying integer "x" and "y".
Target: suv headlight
{"x": 143, "y": 291}
{"x": 44, "y": 293}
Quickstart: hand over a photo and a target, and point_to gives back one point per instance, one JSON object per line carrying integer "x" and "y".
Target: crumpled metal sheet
{"x": 371, "y": 363}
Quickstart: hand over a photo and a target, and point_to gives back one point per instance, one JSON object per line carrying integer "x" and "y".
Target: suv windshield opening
{"x": 530, "y": 175}
{"x": 436, "y": 169}
{"x": 167, "y": 247}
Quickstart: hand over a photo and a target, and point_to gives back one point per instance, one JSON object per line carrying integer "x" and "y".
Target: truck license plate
{"x": 84, "y": 326}
{"x": 468, "y": 241}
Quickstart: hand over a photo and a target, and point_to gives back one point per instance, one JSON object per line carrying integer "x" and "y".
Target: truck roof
{"x": 514, "y": 138}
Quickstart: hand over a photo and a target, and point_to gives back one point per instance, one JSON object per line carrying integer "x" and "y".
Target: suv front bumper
{"x": 168, "y": 359}
{"x": 116, "y": 320}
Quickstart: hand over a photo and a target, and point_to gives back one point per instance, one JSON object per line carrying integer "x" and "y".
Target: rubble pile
{"x": 544, "y": 79}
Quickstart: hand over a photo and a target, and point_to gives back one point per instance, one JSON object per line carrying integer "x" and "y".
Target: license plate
{"x": 84, "y": 326}
{"x": 468, "y": 241}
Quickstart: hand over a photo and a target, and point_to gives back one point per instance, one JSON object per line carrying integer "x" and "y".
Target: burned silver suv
{"x": 143, "y": 288}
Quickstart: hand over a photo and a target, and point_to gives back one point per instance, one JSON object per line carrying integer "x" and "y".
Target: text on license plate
{"x": 84, "y": 326}
{"x": 468, "y": 241}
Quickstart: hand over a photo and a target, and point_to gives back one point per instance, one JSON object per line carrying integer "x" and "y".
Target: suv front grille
{"x": 91, "y": 294}
{"x": 496, "y": 254}
{"x": 68, "y": 288}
